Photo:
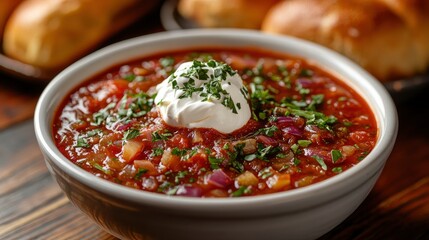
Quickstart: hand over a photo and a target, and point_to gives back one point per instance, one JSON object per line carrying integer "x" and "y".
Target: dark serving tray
{"x": 132, "y": 26}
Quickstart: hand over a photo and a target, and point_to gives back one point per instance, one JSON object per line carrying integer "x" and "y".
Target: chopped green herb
{"x": 130, "y": 106}
{"x": 241, "y": 191}
{"x": 362, "y": 156}
{"x": 337, "y": 169}
{"x": 157, "y": 136}
{"x": 268, "y": 131}
{"x": 347, "y": 123}
{"x": 99, "y": 167}
{"x": 100, "y": 116}
{"x": 294, "y": 148}
{"x": 258, "y": 80}
{"x": 166, "y": 62}
{"x": 215, "y": 162}
{"x": 157, "y": 151}
{"x": 140, "y": 173}
{"x": 284, "y": 167}
{"x": 226, "y": 146}
{"x": 129, "y": 77}
{"x": 164, "y": 186}
{"x": 180, "y": 175}
{"x": 335, "y": 155}
{"x": 82, "y": 142}
{"x": 191, "y": 153}
{"x": 178, "y": 152}
{"x": 94, "y": 132}
{"x": 304, "y": 143}
{"x": 210, "y": 89}
{"x": 265, "y": 173}
{"x": 321, "y": 162}
{"x": 130, "y": 134}
{"x": 172, "y": 191}
{"x": 306, "y": 73}
{"x": 296, "y": 161}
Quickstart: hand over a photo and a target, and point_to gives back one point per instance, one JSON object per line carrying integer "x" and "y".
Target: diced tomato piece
{"x": 131, "y": 149}
{"x": 170, "y": 161}
{"x": 278, "y": 181}
{"x": 146, "y": 165}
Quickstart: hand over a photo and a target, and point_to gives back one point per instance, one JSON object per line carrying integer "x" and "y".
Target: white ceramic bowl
{"x": 304, "y": 213}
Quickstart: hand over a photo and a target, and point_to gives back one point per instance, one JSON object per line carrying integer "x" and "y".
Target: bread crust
{"x": 6, "y": 9}
{"x": 383, "y": 40}
{"x": 50, "y": 34}
{"x": 226, "y": 13}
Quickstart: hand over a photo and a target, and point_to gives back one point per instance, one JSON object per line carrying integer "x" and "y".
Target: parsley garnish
{"x": 166, "y": 62}
{"x": 337, "y": 169}
{"x": 321, "y": 162}
{"x": 157, "y": 136}
{"x": 306, "y": 73}
{"x": 130, "y": 134}
{"x": 265, "y": 173}
{"x": 140, "y": 173}
{"x": 304, "y": 143}
{"x": 240, "y": 191}
{"x": 211, "y": 88}
{"x": 260, "y": 97}
{"x": 268, "y": 131}
{"x": 263, "y": 153}
{"x": 82, "y": 142}
{"x": 215, "y": 162}
{"x": 335, "y": 155}
{"x": 130, "y": 106}
{"x": 157, "y": 152}
{"x": 180, "y": 175}
{"x": 178, "y": 152}
{"x": 296, "y": 161}
{"x": 99, "y": 167}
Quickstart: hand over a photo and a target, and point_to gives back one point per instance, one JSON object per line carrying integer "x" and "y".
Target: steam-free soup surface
{"x": 305, "y": 126}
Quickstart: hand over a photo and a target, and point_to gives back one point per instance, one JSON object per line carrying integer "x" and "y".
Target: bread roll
{"x": 6, "y": 8}
{"x": 387, "y": 37}
{"x": 52, "y": 33}
{"x": 226, "y": 13}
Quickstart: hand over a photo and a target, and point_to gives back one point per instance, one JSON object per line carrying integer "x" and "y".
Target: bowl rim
{"x": 384, "y": 111}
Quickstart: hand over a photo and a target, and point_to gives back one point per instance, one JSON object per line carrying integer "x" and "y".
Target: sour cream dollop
{"x": 204, "y": 95}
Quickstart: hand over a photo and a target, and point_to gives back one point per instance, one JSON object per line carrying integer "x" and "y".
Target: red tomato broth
{"x": 95, "y": 128}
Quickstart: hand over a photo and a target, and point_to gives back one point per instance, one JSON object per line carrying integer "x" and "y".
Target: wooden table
{"x": 32, "y": 205}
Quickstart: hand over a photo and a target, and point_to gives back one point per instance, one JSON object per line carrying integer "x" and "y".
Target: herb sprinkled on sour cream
{"x": 204, "y": 95}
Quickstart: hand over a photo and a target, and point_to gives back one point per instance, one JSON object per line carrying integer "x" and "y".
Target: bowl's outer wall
{"x": 138, "y": 221}
{"x": 304, "y": 214}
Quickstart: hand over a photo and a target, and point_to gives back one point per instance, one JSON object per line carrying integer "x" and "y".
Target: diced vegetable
{"x": 248, "y": 145}
{"x": 305, "y": 126}
{"x": 279, "y": 181}
{"x": 219, "y": 179}
{"x": 131, "y": 149}
{"x": 170, "y": 160}
{"x": 146, "y": 165}
{"x": 189, "y": 191}
{"x": 247, "y": 179}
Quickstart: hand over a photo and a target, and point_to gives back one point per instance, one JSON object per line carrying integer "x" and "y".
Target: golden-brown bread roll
{"x": 6, "y": 8}
{"x": 52, "y": 33}
{"x": 389, "y": 38}
{"x": 226, "y": 13}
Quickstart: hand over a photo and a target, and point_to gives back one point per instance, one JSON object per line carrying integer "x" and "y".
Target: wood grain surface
{"x": 32, "y": 205}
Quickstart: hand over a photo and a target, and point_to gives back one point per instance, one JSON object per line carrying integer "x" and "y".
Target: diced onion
{"x": 219, "y": 179}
